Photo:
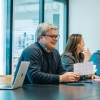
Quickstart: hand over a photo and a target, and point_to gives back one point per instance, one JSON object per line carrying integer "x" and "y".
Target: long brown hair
{"x": 71, "y": 45}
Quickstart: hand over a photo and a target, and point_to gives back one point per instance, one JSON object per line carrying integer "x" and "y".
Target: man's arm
{"x": 38, "y": 77}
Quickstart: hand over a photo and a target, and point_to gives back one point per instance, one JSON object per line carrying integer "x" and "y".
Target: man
{"x": 45, "y": 62}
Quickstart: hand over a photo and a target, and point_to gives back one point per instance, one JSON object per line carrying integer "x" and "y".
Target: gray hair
{"x": 43, "y": 28}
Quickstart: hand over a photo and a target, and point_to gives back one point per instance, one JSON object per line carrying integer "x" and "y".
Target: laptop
{"x": 19, "y": 78}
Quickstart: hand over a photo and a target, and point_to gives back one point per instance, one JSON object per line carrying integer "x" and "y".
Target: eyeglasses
{"x": 52, "y": 36}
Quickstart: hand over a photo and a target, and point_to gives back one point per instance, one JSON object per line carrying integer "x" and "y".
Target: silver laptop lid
{"x": 19, "y": 78}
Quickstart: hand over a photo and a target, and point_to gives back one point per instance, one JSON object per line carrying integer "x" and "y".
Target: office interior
{"x": 19, "y": 19}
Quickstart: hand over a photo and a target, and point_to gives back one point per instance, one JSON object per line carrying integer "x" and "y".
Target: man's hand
{"x": 69, "y": 77}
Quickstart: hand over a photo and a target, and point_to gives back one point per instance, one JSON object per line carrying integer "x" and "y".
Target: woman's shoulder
{"x": 68, "y": 55}
{"x": 68, "y": 58}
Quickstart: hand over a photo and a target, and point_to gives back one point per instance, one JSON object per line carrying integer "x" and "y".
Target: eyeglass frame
{"x": 52, "y": 36}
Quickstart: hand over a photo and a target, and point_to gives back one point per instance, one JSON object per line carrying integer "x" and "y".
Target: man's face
{"x": 50, "y": 39}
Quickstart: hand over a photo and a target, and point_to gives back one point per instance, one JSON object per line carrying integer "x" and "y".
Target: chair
{"x": 6, "y": 79}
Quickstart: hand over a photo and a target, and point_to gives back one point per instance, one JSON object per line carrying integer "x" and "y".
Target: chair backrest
{"x": 6, "y": 79}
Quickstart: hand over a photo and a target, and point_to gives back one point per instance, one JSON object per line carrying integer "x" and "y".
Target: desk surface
{"x": 53, "y": 92}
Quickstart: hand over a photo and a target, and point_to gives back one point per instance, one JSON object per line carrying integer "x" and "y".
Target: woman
{"x": 73, "y": 53}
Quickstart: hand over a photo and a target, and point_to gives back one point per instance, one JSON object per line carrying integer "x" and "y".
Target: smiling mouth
{"x": 53, "y": 43}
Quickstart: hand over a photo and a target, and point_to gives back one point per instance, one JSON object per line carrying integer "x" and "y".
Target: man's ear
{"x": 40, "y": 37}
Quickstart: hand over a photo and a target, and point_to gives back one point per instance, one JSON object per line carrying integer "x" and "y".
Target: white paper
{"x": 95, "y": 68}
{"x": 84, "y": 68}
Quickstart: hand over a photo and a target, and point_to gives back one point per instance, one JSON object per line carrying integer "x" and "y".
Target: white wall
{"x": 1, "y": 36}
{"x": 84, "y": 18}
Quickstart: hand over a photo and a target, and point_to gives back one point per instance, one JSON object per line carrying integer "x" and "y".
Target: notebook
{"x": 19, "y": 78}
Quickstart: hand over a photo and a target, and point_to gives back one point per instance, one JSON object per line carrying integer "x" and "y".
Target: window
{"x": 26, "y": 19}
{"x": 4, "y": 35}
{"x": 55, "y": 13}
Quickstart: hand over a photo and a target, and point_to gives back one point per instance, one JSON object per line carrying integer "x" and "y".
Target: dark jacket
{"x": 68, "y": 60}
{"x": 44, "y": 67}
{"x": 96, "y": 60}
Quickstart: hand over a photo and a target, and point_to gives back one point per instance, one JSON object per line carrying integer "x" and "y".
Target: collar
{"x": 42, "y": 45}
